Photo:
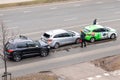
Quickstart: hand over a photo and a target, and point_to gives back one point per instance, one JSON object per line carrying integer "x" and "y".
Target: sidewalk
{"x": 86, "y": 71}
{"x": 12, "y": 1}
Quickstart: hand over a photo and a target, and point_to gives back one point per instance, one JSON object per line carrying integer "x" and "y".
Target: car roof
{"x": 92, "y": 27}
{"x": 20, "y": 39}
{"x": 56, "y": 31}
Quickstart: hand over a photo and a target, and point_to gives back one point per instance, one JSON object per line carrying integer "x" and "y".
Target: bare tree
{"x": 3, "y": 39}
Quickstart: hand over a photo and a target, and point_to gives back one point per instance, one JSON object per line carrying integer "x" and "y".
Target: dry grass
{"x": 108, "y": 63}
{"x": 39, "y": 76}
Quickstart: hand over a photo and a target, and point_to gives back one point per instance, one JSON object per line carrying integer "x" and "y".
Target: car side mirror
{"x": 72, "y": 35}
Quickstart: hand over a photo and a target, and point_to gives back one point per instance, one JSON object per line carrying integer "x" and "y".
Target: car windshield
{"x": 107, "y": 28}
{"x": 71, "y": 33}
{"x": 46, "y": 35}
{"x": 86, "y": 30}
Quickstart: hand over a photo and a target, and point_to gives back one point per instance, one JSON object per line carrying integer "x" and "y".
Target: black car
{"x": 17, "y": 48}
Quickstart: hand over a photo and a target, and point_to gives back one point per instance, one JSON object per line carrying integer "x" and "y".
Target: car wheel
{"x": 44, "y": 52}
{"x": 113, "y": 36}
{"x": 17, "y": 57}
{"x": 92, "y": 40}
{"x": 77, "y": 41}
{"x": 56, "y": 45}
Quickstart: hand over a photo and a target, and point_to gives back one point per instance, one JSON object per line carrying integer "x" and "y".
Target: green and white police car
{"x": 98, "y": 32}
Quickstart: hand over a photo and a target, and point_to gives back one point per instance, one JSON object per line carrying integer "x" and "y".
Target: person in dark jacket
{"x": 95, "y": 22}
{"x": 82, "y": 36}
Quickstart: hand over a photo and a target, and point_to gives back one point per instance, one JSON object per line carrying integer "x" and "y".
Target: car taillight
{"x": 10, "y": 50}
{"x": 49, "y": 41}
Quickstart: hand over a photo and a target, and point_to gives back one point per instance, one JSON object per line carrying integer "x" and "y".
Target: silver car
{"x": 56, "y": 38}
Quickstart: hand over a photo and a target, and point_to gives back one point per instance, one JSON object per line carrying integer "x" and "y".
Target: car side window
{"x": 31, "y": 44}
{"x": 103, "y": 30}
{"x": 58, "y": 36}
{"x": 66, "y": 35}
{"x": 21, "y": 45}
{"x": 96, "y": 30}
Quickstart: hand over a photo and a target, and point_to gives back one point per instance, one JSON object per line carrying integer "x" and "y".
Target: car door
{"x": 60, "y": 39}
{"x": 68, "y": 38}
{"x": 22, "y": 48}
{"x": 32, "y": 48}
{"x": 104, "y": 33}
{"x": 96, "y": 34}
{"x": 63, "y": 38}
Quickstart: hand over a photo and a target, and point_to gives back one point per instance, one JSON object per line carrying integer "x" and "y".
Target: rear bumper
{"x": 8, "y": 55}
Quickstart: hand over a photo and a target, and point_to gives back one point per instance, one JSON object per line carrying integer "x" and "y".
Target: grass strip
{"x": 29, "y": 3}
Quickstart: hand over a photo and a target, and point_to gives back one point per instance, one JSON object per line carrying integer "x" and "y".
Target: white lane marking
{"x": 98, "y": 76}
{"x": 1, "y": 14}
{"x": 7, "y": 21}
{"x": 52, "y": 8}
{"x": 99, "y": 2}
{"x": 117, "y": 12}
{"x": 13, "y": 28}
{"x": 34, "y": 33}
{"x": 109, "y": 7}
{"x": 27, "y": 11}
{"x": 90, "y": 78}
{"x": 70, "y": 19}
{"x": 106, "y": 74}
{"x": 109, "y": 20}
{"x": 38, "y": 32}
{"x": 87, "y": 24}
{"x": 77, "y": 5}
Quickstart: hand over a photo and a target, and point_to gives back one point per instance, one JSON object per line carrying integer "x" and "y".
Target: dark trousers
{"x": 83, "y": 43}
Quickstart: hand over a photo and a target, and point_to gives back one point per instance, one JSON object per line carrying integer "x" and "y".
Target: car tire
{"x": 113, "y": 36}
{"x": 77, "y": 41}
{"x": 92, "y": 40}
{"x": 56, "y": 45}
{"x": 44, "y": 52}
{"x": 17, "y": 57}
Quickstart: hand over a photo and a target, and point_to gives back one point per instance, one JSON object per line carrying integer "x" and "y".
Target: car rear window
{"x": 9, "y": 46}
{"x": 46, "y": 35}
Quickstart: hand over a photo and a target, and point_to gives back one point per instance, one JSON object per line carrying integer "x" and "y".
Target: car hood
{"x": 111, "y": 29}
{"x": 42, "y": 43}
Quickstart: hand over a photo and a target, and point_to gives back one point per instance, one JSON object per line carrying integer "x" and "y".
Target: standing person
{"x": 82, "y": 36}
{"x": 95, "y": 22}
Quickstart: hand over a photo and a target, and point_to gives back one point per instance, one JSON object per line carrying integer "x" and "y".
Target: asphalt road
{"x": 34, "y": 20}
